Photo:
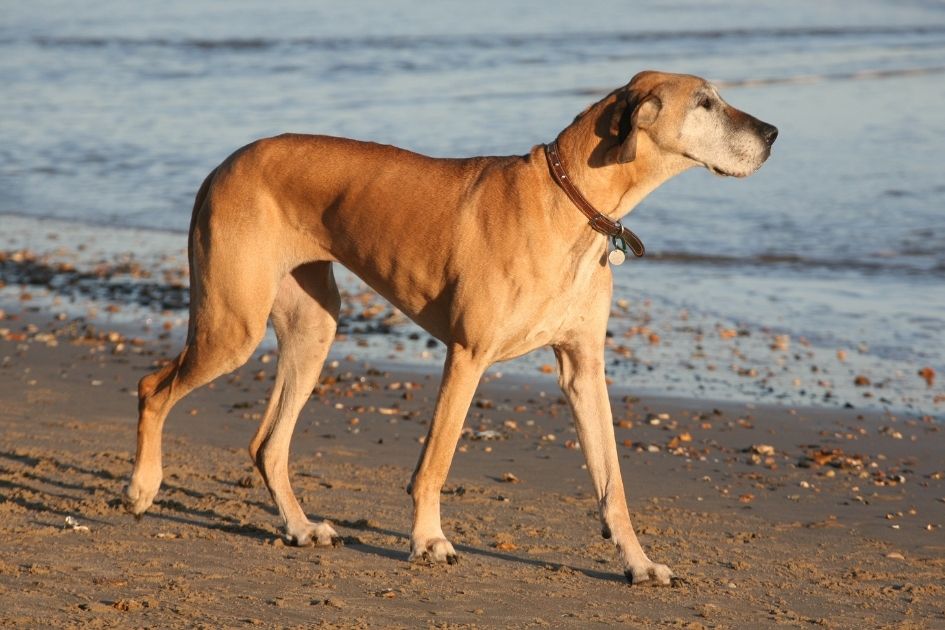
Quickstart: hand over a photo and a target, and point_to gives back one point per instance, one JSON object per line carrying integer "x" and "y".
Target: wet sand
{"x": 769, "y": 515}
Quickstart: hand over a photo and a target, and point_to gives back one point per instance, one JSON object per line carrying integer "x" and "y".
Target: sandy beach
{"x": 768, "y": 515}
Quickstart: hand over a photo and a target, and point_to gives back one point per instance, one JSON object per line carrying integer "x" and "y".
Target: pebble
{"x": 488, "y": 434}
{"x": 782, "y": 343}
{"x": 95, "y": 607}
{"x": 73, "y": 524}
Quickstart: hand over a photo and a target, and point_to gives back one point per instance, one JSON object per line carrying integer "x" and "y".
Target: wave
{"x": 857, "y": 75}
{"x": 886, "y": 265}
{"x": 405, "y": 42}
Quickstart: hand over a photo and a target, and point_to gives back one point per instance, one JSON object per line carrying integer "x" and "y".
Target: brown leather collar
{"x": 597, "y": 221}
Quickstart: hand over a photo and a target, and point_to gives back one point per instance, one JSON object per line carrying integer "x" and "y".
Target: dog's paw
{"x": 137, "y": 500}
{"x": 433, "y": 550}
{"x": 318, "y": 534}
{"x": 649, "y": 573}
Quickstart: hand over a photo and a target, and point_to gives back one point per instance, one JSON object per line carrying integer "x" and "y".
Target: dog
{"x": 493, "y": 256}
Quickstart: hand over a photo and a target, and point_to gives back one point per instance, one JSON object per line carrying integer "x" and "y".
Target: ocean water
{"x": 111, "y": 114}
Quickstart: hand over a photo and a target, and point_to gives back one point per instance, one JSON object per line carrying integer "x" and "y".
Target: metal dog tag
{"x": 616, "y": 257}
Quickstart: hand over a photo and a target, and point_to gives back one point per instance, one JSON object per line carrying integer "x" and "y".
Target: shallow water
{"x": 111, "y": 115}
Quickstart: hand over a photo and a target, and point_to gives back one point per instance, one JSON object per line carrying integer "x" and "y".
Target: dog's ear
{"x": 631, "y": 114}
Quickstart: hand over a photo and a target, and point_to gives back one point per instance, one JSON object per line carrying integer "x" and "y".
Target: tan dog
{"x": 488, "y": 254}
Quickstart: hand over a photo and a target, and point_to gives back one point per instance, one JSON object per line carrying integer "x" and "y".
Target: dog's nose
{"x": 770, "y": 132}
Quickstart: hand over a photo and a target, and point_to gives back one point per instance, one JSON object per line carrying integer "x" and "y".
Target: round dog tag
{"x": 616, "y": 257}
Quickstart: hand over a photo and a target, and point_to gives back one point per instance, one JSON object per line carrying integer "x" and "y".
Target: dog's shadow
{"x": 24, "y": 487}
{"x": 26, "y": 482}
{"x": 352, "y": 542}
{"x": 397, "y": 554}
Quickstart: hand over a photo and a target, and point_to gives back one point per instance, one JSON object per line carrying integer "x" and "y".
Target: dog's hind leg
{"x": 230, "y": 301}
{"x": 583, "y": 382}
{"x": 304, "y": 315}
{"x": 207, "y": 355}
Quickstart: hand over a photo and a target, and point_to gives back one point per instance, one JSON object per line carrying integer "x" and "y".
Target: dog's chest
{"x": 547, "y": 310}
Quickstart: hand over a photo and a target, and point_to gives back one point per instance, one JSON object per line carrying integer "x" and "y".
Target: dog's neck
{"x": 614, "y": 189}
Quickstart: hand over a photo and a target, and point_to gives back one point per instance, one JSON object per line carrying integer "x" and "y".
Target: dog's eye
{"x": 705, "y": 103}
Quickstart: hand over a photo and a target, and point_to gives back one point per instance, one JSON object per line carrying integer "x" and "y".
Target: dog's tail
{"x": 199, "y": 202}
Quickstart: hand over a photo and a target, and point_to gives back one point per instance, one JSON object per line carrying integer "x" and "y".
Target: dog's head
{"x": 684, "y": 116}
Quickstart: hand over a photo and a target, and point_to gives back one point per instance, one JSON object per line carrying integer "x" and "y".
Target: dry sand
{"x": 770, "y": 516}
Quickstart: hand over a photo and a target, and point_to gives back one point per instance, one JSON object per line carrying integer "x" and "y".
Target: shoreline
{"x": 136, "y": 282}
{"x": 770, "y": 514}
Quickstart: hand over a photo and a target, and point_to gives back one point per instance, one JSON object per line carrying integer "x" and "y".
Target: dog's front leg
{"x": 581, "y": 366}
{"x": 461, "y": 375}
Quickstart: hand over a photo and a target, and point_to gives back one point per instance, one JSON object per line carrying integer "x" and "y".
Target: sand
{"x": 768, "y": 515}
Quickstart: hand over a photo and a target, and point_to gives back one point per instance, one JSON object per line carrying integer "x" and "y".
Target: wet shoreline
{"x": 651, "y": 348}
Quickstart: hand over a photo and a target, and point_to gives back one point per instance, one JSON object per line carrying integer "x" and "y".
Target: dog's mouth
{"x": 717, "y": 171}
{"x": 721, "y": 172}
{"x": 745, "y": 165}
